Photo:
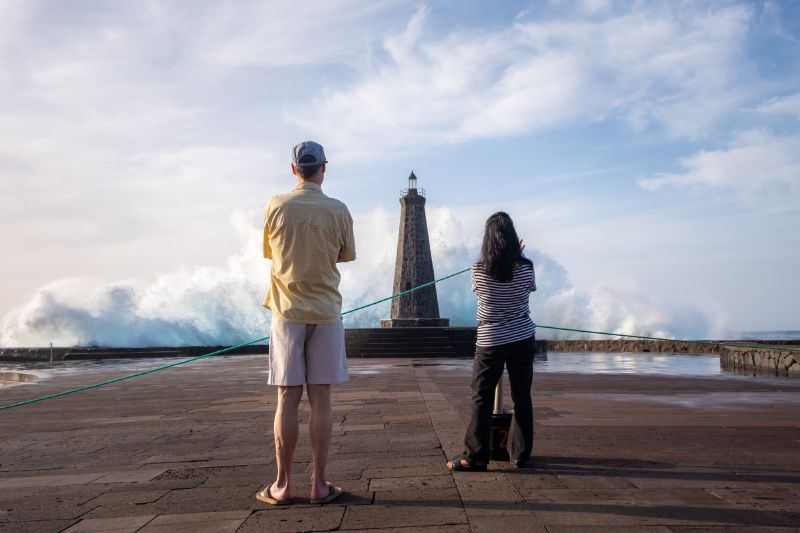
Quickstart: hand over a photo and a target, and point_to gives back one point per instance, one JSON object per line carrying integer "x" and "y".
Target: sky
{"x": 648, "y": 151}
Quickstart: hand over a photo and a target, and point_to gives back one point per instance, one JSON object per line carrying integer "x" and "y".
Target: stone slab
{"x": 49, "y": 481}
{"x": 294, "y": 519}
{"x": 131, "y": 476}
{"x": 121, "y": 524}
{"x": 222, "y": 522}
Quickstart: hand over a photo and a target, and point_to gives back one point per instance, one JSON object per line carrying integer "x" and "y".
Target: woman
{"x": 503, "y": 280}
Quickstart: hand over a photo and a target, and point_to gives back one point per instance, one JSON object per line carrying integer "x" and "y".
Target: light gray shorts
{"x": 306, "y": 353}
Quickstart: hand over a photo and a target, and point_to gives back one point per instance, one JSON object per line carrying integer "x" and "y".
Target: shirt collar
{"x": 307, "y": 186}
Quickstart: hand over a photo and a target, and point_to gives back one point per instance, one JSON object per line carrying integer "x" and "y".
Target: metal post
{"x": 498, "y": 398}
{"x": 501, "y": 426}
{"x": 51, "y": 353}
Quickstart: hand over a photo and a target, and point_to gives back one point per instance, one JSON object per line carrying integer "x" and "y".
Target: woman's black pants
{"x": 517, "y": 357}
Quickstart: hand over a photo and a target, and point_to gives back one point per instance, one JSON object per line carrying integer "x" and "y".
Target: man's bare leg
{"x": 319, "y": 426}
{"x": 286, "y": 428}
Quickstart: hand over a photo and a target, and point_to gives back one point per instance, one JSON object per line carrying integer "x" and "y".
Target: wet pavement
{"x": 635, "y": 446}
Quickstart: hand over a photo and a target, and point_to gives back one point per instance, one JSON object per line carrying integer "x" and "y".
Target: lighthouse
{"x": 414, "y": 266}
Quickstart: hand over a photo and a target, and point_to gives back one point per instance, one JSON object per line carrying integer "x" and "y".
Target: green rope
{"x": 129, "y": 376}
{"x": 644, "y": 337}
{"x": 418, "y": 287}
{"x": 224, "y": 350}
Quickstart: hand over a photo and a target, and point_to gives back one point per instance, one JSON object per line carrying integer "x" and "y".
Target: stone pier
{"x": 186, "y": 449}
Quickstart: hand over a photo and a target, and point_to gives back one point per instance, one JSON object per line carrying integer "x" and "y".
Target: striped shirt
{"x": 503, "y": 308}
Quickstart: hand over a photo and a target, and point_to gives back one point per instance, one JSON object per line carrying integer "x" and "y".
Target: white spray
{"x": 222, "y": 305}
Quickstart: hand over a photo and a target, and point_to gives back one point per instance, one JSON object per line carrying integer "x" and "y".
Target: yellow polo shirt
{"x": 305, "y": 234}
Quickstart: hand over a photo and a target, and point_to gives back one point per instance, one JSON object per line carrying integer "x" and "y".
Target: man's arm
{"x": 348, "y": 250}
{"x": 267, "y": 248}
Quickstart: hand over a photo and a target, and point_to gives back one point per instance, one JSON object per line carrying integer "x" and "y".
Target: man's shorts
{"x": 306, "y": 353}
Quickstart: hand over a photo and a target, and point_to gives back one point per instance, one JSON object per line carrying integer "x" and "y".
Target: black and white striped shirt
{"x": 503, "y": 309}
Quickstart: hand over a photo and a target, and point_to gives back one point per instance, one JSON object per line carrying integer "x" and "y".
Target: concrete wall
{"x": 760, "y": 361}
{"x": 631, "y": 345}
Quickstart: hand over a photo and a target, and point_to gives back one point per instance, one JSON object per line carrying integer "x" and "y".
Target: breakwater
{"x": 458, "y": 342}
{"x": 632, "y": 345}
{"x": 761, "y": 360}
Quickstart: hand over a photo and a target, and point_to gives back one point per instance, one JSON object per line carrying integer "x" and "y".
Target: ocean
{"x": 768, "y": 335}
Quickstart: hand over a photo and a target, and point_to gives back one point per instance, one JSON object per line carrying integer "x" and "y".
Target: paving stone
{"x": 682, "y": 496}
{"x": 133, "y": 476}
{"x": 530, "y": 485}
{"x": 35, "y": 526}
{"x": 205, "y": 499}
{"x": 464, "y": 528}
{"x": 57, "y": 503}
{"x": 521, "y": 524}
{"x": 590, "y": 496}
{"x": 156, "y": 485}
{"x": 608, "y": 529}
{"x": 600, "y": 481}
{"x": 410, "y": 515}
{"x": 49, "y": 481}
{"x": 121, "y": 524}
{"x": 760, "y": 498}
{"x": 130, "y": 498}
{"x": 318, "y": 518}
{"x": 730, "y": 529}
{"x": 421, "y": 498}
{"x": 569, "y": 514}
{"x": 222, "y": 522}
{"x": 405, "y": 471}
{"x": 411, "y": 482}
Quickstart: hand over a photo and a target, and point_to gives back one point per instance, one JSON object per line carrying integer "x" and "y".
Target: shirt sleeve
{"x": 472, "y": 275}
{"x": 347, "y": 252}
{"x": 267, "y": 248}
{"x": 533, "y": 279}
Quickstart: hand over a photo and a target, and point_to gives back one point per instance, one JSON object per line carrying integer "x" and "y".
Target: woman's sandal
{"x": 456, "y": 465}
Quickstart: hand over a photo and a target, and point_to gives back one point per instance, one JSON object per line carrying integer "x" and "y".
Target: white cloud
{"x": 289, "y": 33}
{"x": 782, "y": 104}
{"x": 647, "y": 66}
{"x": 759, "y": 168}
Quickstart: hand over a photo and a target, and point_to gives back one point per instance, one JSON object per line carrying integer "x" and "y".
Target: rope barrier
{"x": 399, "y": 294}
{"x": 644, "y": 337}
{"x": 129, "y": 376}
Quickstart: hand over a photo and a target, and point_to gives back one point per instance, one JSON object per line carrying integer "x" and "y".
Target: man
{"x": 305, "y": 234}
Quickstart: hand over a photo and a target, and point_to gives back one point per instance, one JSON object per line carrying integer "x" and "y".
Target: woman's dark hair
{"x": 501, "y": 251}
{"x": 309, "y": 170}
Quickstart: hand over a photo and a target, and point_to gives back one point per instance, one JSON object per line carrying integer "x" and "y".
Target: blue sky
{"x": 649, "y": 152}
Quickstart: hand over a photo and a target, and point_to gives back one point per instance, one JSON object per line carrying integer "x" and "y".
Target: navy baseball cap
{"x": 309, "y": 148}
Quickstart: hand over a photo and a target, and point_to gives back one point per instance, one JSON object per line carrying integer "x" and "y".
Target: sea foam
{"x": 221, "y": 305}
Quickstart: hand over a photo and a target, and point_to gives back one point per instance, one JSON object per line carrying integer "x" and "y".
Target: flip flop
{"x": 333, "y": 493}
{"x": 266, "y": 497}
{"x": 456, "y": 465}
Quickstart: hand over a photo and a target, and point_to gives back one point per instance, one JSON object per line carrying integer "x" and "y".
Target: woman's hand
{"x": 521, "y": 246}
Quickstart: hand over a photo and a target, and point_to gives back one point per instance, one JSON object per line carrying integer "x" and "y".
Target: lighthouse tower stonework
{"x": 414, "y": 266}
